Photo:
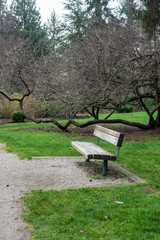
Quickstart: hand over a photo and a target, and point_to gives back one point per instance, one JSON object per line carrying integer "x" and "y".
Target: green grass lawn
{"x": 28, "y": 143}
{"x": 80, "y": 213}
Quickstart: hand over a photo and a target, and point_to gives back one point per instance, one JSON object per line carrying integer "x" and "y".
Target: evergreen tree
{"x": 29, "y": 21}
{"x": 76, "y": 18}
{"x": 3, "y": 6}
{"x": 128, "y": 11}
{"x": 150, "y": 16}
{"x": 98, "y": 9}
{"x": 54, "y": 30}
{"x": 28, "y": 17}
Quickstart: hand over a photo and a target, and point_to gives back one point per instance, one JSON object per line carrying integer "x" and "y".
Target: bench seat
{"x": 93, "y": 151}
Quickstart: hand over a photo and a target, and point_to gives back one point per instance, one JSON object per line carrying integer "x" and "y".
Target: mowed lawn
{"x": 91, "y": 213}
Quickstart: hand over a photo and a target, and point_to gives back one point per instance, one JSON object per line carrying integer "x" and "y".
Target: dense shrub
{"x": 18, "y": 116}
{"x": 126, "y": 108}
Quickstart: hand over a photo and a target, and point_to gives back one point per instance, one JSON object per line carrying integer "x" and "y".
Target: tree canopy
{"x": 89, "y": 62}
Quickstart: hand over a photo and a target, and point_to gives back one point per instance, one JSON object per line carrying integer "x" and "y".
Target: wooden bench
{"x": 93, "y": 151}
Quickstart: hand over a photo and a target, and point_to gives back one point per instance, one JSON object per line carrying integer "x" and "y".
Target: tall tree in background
{"x": 98, "y": 9}
{"x": 29, "y": 21}
{"x": 3, "y": 5}
{"x": 150, "y": 16}
{"x": 128, "y": 11}
{"x": 76, "y": 18}
{"x": 28, "y": 17}
{"x": 54, "y": 30}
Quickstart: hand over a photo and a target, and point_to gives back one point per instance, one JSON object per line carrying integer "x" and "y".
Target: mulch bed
{"x": 130, "y": 133}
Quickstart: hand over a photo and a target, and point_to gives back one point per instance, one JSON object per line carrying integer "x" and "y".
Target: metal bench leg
{"x": 105, "y": 167}
{"x": 87, "y": 160}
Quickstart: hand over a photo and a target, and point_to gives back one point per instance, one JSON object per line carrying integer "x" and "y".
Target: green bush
{"x": 18, "y": 116}
{"x": 1, "y": 116}
{"x": 126, "y": 109}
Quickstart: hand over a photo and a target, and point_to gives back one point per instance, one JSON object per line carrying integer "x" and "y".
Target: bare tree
{"x": 18, "y": 66}
{"x": 111, "y": 66}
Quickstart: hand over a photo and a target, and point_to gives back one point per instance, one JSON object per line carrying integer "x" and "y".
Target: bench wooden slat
{"x": 109, "y": 135}
{"x": 92, "y": 151}
{"x": 108, "y": 131}
{"x": 79, "y": 146}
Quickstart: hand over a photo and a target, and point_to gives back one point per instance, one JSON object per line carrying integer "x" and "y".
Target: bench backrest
{"x": 108, "y": 135}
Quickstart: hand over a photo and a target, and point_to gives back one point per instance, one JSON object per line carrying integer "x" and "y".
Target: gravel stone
{"x": 19, "y": 176}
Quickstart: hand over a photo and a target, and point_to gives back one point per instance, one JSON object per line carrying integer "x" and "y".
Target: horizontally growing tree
{"x": 112, "y": 64}
{"x": 99, "y": 72}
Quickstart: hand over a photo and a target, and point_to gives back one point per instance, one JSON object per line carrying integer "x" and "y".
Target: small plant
{"x": 18, "y": 116}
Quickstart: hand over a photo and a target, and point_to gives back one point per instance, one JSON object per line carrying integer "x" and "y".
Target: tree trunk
{"x": 158, "y": 118}
{"x": 152, "y": 122}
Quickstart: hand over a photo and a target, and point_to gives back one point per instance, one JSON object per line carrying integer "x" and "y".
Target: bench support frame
{"x": 105, "y": 167}
{"x": 105, "y": 162}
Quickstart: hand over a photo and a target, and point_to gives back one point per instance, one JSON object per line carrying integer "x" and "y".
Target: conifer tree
{"x": 76, "y": 18}
{"x": 29, "y": 21}
{"x": 128, "y": 11}
{"x": 3, "y": 5}
{"x": 150, "y": 16}
{"x": 54, "y": 30}
{"x": 98, "y": 9}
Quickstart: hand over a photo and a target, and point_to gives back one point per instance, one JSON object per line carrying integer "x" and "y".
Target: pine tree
{"x": 29, "y": 21}
{"x": 28, "y": 17}
{"x": 128, "y": 11}
{"x": 3, "y": 5}
{"x": 54, "y": 30}
{"x": 98, "y": 9}
{"x": 76, "y": 18}
{"x": 150, "y": 16}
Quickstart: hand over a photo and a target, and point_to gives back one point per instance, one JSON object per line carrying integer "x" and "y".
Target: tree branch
{"x": 89, "y": 123}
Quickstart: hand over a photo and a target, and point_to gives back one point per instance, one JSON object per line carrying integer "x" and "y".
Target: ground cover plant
{"x": 122, "y": 213}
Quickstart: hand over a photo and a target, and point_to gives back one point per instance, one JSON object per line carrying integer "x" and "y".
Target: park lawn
{"x": 23, "y": 140}
{"x": 26, "y": 141}
{"x": 80, "y": 213}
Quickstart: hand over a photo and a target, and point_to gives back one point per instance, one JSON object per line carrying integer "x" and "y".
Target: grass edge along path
{"x": 122, "y": 213}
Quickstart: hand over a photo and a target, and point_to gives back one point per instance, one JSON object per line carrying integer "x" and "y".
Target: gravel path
{"x": 19, "y": 176}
